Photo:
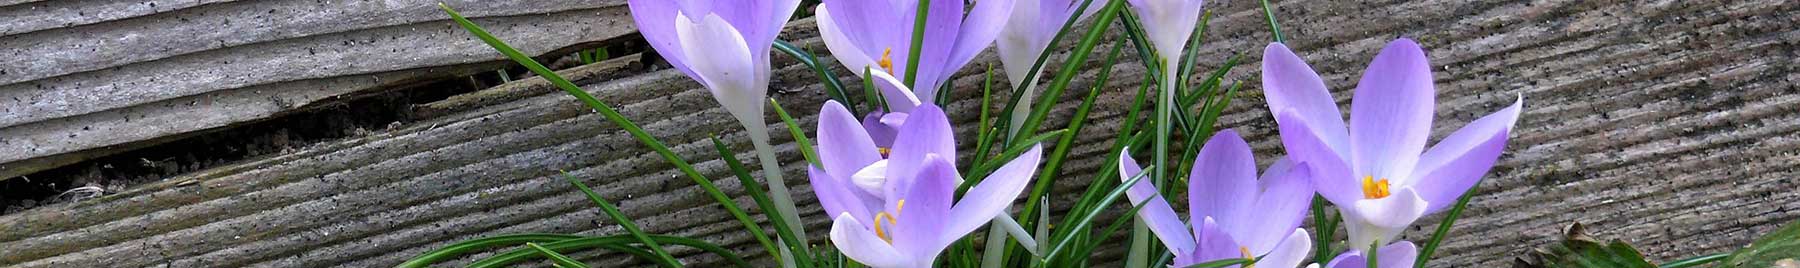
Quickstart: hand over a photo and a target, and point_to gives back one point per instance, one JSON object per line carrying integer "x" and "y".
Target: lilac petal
{"x": 874, "y": 26}
{"x": 1396, "y": 255}
{"x": 942, "y": 25}
{"x": 882, "y": 134}
{"x": 1390, "y": 118}
{"x": 979, "y": 29}
{"x": 899, "y": 98}
{"x": 927, "y": 131}
{"x": 1383, "y": 219}
{"x": 838, "y": 198}
{"x": 655, "y": 19}
{"x": 1214, "y": 243}
{"x": 1289, "y": 251}
{"x": 780, "y": 11}
{"x": 1330, "y": 174}
{"x": 1223, "y": 182}
{"x": 856, "y": 241}
{"x": 1289, "y": 83}
{"x": 1021, "y": 40}
{"x": 724, "y": 65}
{"x": 847, "y": 51}
{"x": 920, "y": 230}
{"x": 1280, "y": 168}
{"x": 990, "y": 197}
{"x": 844, "y": 145}
{"x": 1459, "y": 161}
{"x": 1281, "y": 207}
{"x": 1155, "y": 213}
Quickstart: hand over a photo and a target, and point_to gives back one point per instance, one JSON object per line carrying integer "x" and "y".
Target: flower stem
{"x": 778, "y": 190}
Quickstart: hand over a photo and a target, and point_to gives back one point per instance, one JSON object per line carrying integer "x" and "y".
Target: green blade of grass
{"x": 1088, "y": 218}
{"x": 800, "y": 140}
{"x": 982, "y": 171}
{"x": 1696, "y": 261}
{"x": 1275, "y": 28}
{"x": 1063, "y": 76}
{"x": 742, "y": 172}
{"x": 515, "y": 256}
{"x": 756, "y": 192}
{"x": 1053, "y": 164}
{"x": 620, "y": 218}
{"x": 833, "y": 87}
{"x": 1031, "y": 75}
{"x": 985, "y": 133}
{"x": 1322, "y": 231}
{"x": 460, "y": 248}
{"x": 1443, "y": 228}
{"x": 918, "y": 43}
{"x": 557, "y": 258}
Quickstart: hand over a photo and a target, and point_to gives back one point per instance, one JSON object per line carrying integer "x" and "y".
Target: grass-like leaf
{"x": 1275, "y": 28}
{"x": 793, "y": 242}
{"x": 982, "y": 171}
{"x": 1079, "y": 55}
{"x": 918, "y": 43}
{"x": 1443, "y": 228}
{"x": 464, "y": 247}
{"x": 800, "y": 140}
{"x": 1031, "y": 75}
{"x": 623, "y": 221}
{"x": 1783, "y": 244}
{"x": 1087, "y": 218}
{"x": 1695, "y": 261}
{"x": 557, "y": 258}
{"x": 607, "y": 242}
{"x": 833, "y": 87}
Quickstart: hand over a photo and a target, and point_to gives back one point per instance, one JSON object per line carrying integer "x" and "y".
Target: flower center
{"x": 884, "y": 151}
{"x": 1374, "y": 189}
{"x": 887, "y": 61}
{"x": 890, "y": 221}
{"x": 1247, "y": 257}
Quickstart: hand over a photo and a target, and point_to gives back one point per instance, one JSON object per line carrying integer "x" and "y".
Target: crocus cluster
{"x": 895, "y": 206}
{"x": 877, "y": 34}
{"x": 1236, "y": 214}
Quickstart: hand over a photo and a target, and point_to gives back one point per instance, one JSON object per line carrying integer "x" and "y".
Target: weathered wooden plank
{"x": 1668, "y": 124}
{"x": 101, "y": 77}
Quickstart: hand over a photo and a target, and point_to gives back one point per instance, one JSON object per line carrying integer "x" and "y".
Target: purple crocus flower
{"x": 895, "y": 209}
{"x": 1374, "y": 171}
{"x": 1236, "y": 214}
{"x": 877, "y": 34}
{"x": 1168, "y": 24}
{"x": 722, "y": 44}
{"x": 884, "y": 125}
{"x": 1397, "y": 255}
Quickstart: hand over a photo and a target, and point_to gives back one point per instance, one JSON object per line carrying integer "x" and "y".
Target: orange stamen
{"x": 1375, "y": 189}
{"x": 887, "y": 61}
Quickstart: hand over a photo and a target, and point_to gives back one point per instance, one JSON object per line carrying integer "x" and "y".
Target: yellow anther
{"x": 890, "y": 220}
{"x": 887, "y": 61}
{"x": 1247, "y": 256}
{"x": 884, "y": 151}
{"x": 1374, "y": 189}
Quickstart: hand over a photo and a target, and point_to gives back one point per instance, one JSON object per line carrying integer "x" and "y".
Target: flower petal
{"x": 1155, "y": 213}
{"x": 1459, "y": 161}
{"x": 1223, "y": 182}
{"x": 1278, "y": 210}
{"x": 655, "y": 19}
{"x": 1395, "y": 255}
{"x": 840, "y": 199}
{"x": 1289, "y": 251}
{"x": 724, "y": 65}
{"x": 842, "y": 48}
{"x": 1330, "y": 174}
{"x": 1390, "y": 117}
{"x": 1383, "y": 219}
{"x": 927, "y": 131}
{"x": 990, "y": 197}
{"x": 920, "y": 230}
{"x": 856, "y": 241}
{"x": 844, "y": 145}
{"x": 899, "y": 98}
{"x": 1019, "y": 42}
{"x": 1289, "y": 83}
{"x": 942, "y": 25}
{"x": 978, "y": 30}
{"x": 1214, "y": 243}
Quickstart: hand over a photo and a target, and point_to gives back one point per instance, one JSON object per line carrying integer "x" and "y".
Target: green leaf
{"x": 1443, "y": 228}
{"x": 1778, "y": 249}
{"x": 763, "y": 201}
{"x": 558, "y": 258}
{"x": 918, "y": 40}
{"x": 833, "y": 87}
{"x": 615, "y": 242}
{"x": 1275, "y": 28}
{"x": 1580, "y": 250}
{"x": 621, "y": 219}
{"x": 800, "y": 140}
{"x": 1218, "y": 263}
{"x": 1087, "y": 217}
{"x": 459, "y": 248}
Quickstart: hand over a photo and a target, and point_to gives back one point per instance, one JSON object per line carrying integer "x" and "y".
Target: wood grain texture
{"x": 1667, "y": 124}
{"x": 83, "y": 79}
